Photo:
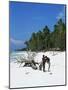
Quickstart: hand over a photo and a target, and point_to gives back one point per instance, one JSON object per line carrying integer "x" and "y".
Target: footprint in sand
{"x": 50, "y": 73}
{"x": 27, "y": 73}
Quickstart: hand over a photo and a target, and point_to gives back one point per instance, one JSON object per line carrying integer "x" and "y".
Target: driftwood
{"x": 31, "y": 63}
{"x": 27, "y": 62}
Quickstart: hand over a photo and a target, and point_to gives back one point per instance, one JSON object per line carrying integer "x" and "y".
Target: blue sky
{"x": 26, "y": 18}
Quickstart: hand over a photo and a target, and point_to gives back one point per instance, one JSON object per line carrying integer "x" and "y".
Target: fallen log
{"x": 27, "y": 63}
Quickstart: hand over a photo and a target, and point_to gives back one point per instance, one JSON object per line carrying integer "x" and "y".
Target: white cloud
{"x": 60, "y": 15}
{"x": 16, "y": 42}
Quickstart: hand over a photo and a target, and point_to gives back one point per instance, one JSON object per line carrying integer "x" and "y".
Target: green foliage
{"x": 47, "y": 40}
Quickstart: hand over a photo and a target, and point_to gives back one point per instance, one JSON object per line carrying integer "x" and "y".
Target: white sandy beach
{"x": 28, "y": 77}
